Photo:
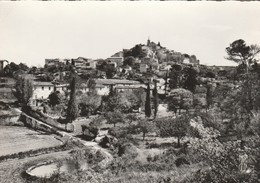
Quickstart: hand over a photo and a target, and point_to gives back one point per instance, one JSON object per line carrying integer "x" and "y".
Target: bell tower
{"x": 148, "y": 41}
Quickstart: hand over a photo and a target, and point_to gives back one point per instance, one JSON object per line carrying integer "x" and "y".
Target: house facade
{"x": 102, "y": 86}
{"x": 42, "y": 90}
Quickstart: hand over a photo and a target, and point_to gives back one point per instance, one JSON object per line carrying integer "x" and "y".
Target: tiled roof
{"x": 115, "y": 81}
{"x": 131, "y": 87}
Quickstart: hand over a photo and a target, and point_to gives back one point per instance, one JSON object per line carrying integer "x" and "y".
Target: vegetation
{"x": 177, "y": 127}
{"x": 114, "y": 117}
{"x": 213, "y": 135}
{"x": 180, "y": 99}
{"x": 54, "y": 98}
{"x": 148, "y": 102}
{"x": 23, "y": 89}
{"x": 155, "y": 99}
{"x": 72, "y": 110}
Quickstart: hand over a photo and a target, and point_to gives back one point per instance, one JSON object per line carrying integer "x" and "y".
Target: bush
{"x": 181, "y": 161}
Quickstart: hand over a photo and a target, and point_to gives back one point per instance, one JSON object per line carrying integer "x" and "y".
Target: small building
{"x": 116, "y": 59}
{"x": 7, "y": 82}
{"x": 102, "y": 86}
{"x": 61, "y": 88}
{"x": 52, "y": 62}
{"x": 42, "y": 90}
{"x": 112, "y": 63}
{"x": 129, "y": 88}
{"x": 91, "y": 64}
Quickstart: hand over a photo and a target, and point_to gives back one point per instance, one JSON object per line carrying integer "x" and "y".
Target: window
{"x": 49, "y": 88}
{"x": 42, "y": 87}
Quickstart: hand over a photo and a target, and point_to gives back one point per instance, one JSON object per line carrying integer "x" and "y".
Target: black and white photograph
{"x": 129, "y": 92}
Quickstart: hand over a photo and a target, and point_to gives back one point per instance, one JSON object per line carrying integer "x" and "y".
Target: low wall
{"x": 38, "y": 125}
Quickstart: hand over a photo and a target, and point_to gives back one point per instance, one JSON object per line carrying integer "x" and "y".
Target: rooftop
{"x": 37, "y": 83}
{"x": 115, "y": 81}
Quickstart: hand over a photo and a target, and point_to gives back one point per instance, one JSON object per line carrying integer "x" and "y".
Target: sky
{"x": 33, "y": 31}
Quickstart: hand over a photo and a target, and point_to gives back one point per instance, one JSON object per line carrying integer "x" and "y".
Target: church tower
{"x": 148, "y": 41}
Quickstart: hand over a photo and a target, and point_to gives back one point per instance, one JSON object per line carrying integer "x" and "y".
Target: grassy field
{"x": 19, "y": 139}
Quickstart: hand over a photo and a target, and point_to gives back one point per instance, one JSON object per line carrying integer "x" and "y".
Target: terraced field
{"x": 19, "y": 139}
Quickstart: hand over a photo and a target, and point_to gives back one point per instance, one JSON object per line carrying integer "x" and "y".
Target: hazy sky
{"x": 33, "y": 31}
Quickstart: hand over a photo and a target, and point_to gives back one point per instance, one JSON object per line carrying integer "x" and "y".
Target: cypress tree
{"x": 23, "y": 90}
{"x": 155, "y": 99}
{"x": 148, "y": 102}
{"x": 72, "y": 110}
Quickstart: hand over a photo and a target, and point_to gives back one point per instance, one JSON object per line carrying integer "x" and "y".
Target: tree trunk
{"x": 143, "y": 136}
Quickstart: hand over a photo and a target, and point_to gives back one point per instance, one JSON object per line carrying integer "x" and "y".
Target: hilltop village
{"x": 126, "y": 70}
{"x": 145, "y": 114}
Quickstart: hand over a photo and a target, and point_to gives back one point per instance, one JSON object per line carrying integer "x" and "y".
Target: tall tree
{"x": 110, "y": 71}
{"x": 129, "y": 61}
{"x": 148, "y": 101}
{"x": 72, "y": 110}
{"x": 146, "y": 126}
{"x": 177, "y": 127}
{"x": 114, "y": 117}
{"x": 190, "y": 79}
{"x": 180, "y": 99}
{"x": 175, "y": 77}
{"x": 155, "y": 99}
{"x": 245, "y": 55}
{"x": 23, "y": 89}
{"x": 241, "y": 53}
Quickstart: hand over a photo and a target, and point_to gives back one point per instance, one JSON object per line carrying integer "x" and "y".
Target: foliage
{"x": 199, "y": 101}
{"x": 23, "y": 89}
{"x": 114, "y": 117}
{"x": 223, "y": 159}
{"x": 241, "y": 53}
{"x": 155, "y": 100}
{"x": 148, "y": 102}
{"x": 89, "y": 102}
{"x": 179, "y": 99}
{"x": 190, "y": 78}
{"x": 146, "y": 126}
{"x": 209, "y": 95}
{"x": 177, "y": 127}
{"x": 175, "y": 77}
{"x": 12, "y": 69}
{"x": 136, "y": 52}
{"x": 54, "y": 98}
{"x": 123, "y": 101}
{"x": 129, "y": 61}
{"x": 131, "y": 118}
{"x": 72, "y": 110}
{"x": 110, "y": 71}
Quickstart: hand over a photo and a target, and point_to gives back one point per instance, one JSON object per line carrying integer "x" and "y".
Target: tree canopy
{"x": 23, "y": 89}
{"x": 72, "y": 110}
{"x": 241, "y": 53}
{"x": 180, "y": 99}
